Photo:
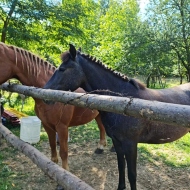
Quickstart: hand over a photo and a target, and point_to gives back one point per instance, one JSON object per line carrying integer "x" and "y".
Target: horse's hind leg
{"x": 102, "y": 143}
{"x": 52, "y": 142}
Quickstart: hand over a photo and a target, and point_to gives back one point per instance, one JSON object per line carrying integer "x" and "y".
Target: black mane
{"x": 134, "y": 82}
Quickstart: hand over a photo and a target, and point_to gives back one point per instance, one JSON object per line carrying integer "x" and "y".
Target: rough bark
{"x": 173, "y": 114}
{"x": 61, "y": 176}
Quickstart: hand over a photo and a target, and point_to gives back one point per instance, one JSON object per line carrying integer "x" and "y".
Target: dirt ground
{"x": 99, "y": 171}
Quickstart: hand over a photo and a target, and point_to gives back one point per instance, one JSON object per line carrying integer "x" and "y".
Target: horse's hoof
{"x": 121, "y": 188}
{"x": 99, "y": 151}
{"x": 112, "y": 149}
{"x": 59, "y": 187}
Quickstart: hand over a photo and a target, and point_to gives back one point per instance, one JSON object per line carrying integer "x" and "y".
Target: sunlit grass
{"x": 169, "y": 82}
{"x": 43, "y": 135}
{"x": 174, "y": 154}
{"x": 86, "y": 133}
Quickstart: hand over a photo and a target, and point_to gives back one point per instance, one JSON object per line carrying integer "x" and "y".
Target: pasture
{"x": 165, "y": 166}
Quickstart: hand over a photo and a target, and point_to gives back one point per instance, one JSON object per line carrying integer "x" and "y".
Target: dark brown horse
{"x": 79, "y": 70}
{"x": 31, "y": 70}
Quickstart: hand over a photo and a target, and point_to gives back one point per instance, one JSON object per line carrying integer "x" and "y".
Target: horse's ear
{"x": 72, "y": 51}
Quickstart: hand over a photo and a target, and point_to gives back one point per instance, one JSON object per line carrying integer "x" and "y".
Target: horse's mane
{"x": 30, "y": 59}
{"x": 134, "y": 82}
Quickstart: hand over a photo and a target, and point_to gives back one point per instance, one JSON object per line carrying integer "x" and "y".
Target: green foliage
{"x": 113, "y": 27}
{"x": 113, "y": 31}
{"x": 15, "y": 102}
{"x": 42, "y": 26}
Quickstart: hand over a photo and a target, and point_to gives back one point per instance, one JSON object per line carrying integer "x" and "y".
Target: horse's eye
{"x": 61, "y": 69}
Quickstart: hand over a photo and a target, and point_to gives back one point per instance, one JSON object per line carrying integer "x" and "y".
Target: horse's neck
{"x": 101, "y": 78}
{"x": 31, "y": 78}
{"x": 31, "y": 74}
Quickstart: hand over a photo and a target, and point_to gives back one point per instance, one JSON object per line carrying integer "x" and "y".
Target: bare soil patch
{"x": 99, "y": 171}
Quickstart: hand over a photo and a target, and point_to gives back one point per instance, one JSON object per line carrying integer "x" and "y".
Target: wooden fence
{"x": 173, "y": 114}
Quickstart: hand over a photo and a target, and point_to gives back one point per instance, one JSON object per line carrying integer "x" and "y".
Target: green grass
{"x": 175, "y": 154}
{"x": 7, "y": 175}
{"x": 170, "y": 82}
{"x": 85, "y": 133}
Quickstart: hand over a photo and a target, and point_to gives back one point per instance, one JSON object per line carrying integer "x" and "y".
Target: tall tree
{"x": 113, "y": 26}
{"x": 39, "y": 24}
{"x": 171, "y": 19}
{"x": 19, "y": 16}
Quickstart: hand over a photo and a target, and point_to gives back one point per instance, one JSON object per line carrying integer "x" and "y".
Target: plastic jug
{"x": 30, "y": 129}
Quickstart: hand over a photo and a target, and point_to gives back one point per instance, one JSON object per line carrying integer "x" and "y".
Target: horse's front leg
{"x": 52, "y": 142}
{"x": 121, "y": 163}
{"x": 103, "y": 142}
{"x": 63, "y": 142}
{"x": 130, "y": 149}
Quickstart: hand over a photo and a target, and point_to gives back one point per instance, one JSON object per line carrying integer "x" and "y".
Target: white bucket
{"x": 30, "y": 129}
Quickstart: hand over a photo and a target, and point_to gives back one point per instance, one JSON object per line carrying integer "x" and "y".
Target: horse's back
{"x": 176, "y": 95}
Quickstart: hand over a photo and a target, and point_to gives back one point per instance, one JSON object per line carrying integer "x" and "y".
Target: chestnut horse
{"x": 79, "y": 70}
{"x": 31, "y": 70}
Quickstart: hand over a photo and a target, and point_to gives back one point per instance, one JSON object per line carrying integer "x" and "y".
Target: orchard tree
{"x": 171, "y": 19}
{"x": 146, "y": 53}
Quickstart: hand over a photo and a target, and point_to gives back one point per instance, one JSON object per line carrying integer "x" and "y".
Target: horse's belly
{"x": 140, "y": 130}
{"x": 157, "y": 133}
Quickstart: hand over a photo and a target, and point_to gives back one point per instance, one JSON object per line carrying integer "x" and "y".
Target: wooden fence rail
{"x": 173, "y": 114}
{"x": 64, "y": 178}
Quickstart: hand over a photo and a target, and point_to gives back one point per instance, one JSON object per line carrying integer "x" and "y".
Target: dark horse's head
{"x": 69, "y": 75}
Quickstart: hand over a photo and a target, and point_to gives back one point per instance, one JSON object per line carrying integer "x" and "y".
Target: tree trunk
{"x": 6, "y": 21}
{"x": 148, "y": 81}
{"x": 3, "y": 35}
{"x": 188, "y": 75}
{"x": 181, "y": 79}
{"x": 173, "y": 114}
{"x": 62, "y": 177}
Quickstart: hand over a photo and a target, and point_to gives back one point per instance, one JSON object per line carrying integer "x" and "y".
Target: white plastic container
{"x": 30, "y": 129}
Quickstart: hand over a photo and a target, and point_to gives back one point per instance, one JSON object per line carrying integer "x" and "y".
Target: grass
{"x": 167, "y": 82}
{"x": 175, "y": 154}
{"x": 7, "y": 175}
